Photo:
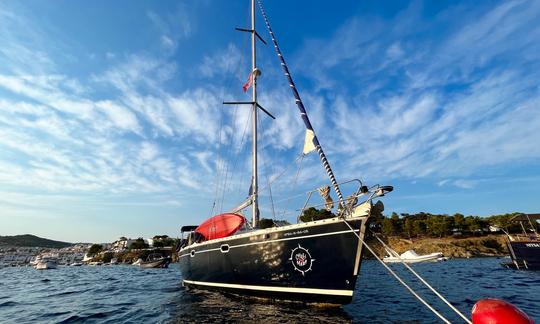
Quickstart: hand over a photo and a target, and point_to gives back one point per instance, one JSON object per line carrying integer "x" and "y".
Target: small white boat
{"x": 76, "y": 264}
{"x": 45, "y": 264}
{"x": 411, "y": 256}
{"x": 95, "y": 263}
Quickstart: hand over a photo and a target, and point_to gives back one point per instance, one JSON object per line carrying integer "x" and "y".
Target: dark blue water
{"x": 130, "y": 294}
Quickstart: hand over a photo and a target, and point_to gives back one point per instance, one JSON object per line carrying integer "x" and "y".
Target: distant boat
{"x": 524, "y": 248}
{"x": 76, "y": 264}
{"x": 45, "y": 263}
{"x": 87, "y": 258}
{"x": 114, "y": 261}
{"x": 155, "y": 260}
{"x": 95, "y": 263}
{"x": 411, "y": 256}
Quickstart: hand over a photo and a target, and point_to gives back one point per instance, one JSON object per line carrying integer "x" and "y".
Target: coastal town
{"x": 20, "y": 256}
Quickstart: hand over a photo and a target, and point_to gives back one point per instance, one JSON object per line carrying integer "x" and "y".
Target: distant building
{"x": 122, "y": 244}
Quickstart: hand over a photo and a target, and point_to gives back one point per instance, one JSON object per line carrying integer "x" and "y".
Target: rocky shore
{"x": 130, "y": 256}
{"x": 454, "y": 247}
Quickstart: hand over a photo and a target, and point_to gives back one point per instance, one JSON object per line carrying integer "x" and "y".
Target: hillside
{"x": 28, "y": 240}
{"x": 490, "y": 245}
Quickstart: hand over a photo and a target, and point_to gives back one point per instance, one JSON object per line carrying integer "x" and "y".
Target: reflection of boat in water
{"x": 411, "y": 256}
{"x": 155, "y": 260}
{"x": 525, "y": 248}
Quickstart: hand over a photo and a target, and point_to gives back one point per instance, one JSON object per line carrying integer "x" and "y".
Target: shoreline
{"x": 491, "y": 245}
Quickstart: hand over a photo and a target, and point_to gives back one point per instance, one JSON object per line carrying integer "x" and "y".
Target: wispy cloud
{"x": 458, "y": 104}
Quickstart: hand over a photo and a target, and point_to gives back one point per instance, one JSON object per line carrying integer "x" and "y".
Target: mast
{"x": 254, "y": 184}
{"x": 253, "y": 198}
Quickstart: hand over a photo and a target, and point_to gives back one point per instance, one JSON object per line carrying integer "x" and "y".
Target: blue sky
{"x": 111, "y": 120}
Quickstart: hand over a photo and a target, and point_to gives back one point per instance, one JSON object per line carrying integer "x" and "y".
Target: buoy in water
{"x": 496, "y": 311}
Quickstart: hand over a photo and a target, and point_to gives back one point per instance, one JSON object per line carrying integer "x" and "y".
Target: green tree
{"x": 438, "y": 225}
{"x": 419, "y": 227}
{"x": 158, "y": 244}
{"x": 266, "y": 223}
{"x": 387, "y": 227}
{"x": 95, "y": 249}
{"x": 408, "y": 226}
{"x": 459, "y": 221}
{"x": 138, "y": 244}
{"x": 472, "y": 223}
{"x": 313, "y": 214}
{"x": 107, "y": 257}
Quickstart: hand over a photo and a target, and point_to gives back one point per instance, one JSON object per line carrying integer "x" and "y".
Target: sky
{"x": 112, "y": 123}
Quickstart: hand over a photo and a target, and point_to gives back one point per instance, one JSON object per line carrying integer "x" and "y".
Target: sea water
{"x": 124, "y": 293}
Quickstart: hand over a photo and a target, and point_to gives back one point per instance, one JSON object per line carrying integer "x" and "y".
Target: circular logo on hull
{"x": 301, "y": 259}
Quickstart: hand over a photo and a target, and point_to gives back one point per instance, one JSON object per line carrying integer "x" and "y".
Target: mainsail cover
{"x": 310, "y": 133}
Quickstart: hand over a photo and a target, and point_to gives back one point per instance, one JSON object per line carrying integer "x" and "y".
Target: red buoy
{"x": 496, "y": 311}
{"x": 220, "y": 226}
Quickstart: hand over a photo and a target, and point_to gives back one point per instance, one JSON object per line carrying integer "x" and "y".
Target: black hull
{"x": 525, "y": 255}
{"x": 312, "y": 262}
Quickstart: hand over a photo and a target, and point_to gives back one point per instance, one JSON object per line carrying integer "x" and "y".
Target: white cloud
{"x": 444, "y": 109}
{"x": 120, "y": 116}
{"x": 196, "y": 114}
{"x": 225, "y": 62}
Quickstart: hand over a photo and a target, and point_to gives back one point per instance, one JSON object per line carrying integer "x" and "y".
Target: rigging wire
{"x": 266, "y": 172}
{"x": 218, "y": 166}
{"x": 295, "y": 182}
{"x": 424, "y": 281}
{"x": 224, "y": 172}
{"x": 237, "y": 155}
{"x": 414, "y": 293}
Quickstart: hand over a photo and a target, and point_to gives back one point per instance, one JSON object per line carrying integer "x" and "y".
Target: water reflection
{"x": 201, "y": 306}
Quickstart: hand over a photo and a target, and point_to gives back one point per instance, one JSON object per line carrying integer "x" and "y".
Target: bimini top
{"x": 525, "y": 217}
{"x": 221, "y": 225}
{"x": 188, "y": 228}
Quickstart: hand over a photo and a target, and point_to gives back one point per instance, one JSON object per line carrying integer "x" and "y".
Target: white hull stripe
{"x": 271, "y": 241}
{"x": 333, "y": 292}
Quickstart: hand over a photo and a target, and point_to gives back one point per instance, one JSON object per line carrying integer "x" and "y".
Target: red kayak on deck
{"x": 221, "y": 225}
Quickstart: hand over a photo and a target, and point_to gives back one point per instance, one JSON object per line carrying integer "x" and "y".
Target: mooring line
{"x": 441, "y": 297}
{"x": 398, "y": 278}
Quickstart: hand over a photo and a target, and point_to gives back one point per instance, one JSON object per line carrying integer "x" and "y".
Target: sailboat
{"x": 312, "y": 261}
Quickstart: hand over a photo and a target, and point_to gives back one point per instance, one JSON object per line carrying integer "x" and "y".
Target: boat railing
{"x": 524, "y": 237}
{"x": 352, "y": 201}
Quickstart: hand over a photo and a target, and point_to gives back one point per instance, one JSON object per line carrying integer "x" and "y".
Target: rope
{"x": 424, "y": 281}
{"x": 397, "y": 277}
